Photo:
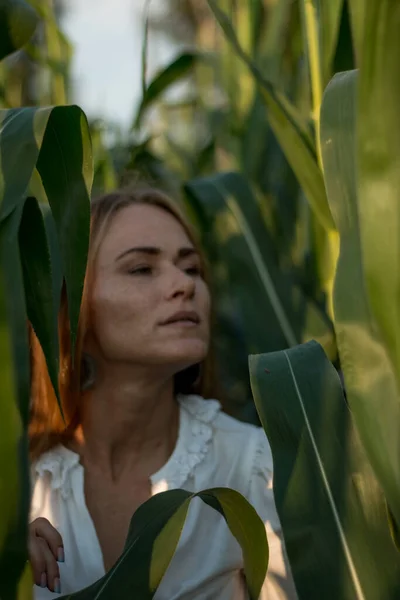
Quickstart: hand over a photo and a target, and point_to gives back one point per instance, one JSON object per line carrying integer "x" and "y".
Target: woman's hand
{"x": 46, "y": 549}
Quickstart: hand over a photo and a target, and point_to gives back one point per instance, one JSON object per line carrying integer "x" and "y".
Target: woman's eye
{"x": 144, "y": 270}
{"x": 193, "y": 271}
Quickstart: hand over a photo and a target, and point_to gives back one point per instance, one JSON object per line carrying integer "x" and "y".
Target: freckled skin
{"x": 134, "y": 295}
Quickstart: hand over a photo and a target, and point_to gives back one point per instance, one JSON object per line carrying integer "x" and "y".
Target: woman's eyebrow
{"x": 189, "y": 251}
{"x": 140, "y": 250}
{"x": 153, "y": 250}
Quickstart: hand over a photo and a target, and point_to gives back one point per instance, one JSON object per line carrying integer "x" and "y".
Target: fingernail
{"x": 60, "y": 554}
{"x": 57, "y": 585}
{"x": 43, "y": 580}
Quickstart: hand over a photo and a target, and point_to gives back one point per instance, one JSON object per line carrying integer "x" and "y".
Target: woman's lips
{"x": 185, "y": 318}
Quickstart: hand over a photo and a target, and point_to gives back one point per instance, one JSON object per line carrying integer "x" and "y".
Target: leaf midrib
{"x": 352, "y": 569}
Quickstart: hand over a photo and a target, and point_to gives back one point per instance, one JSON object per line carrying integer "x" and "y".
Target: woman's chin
{"x": 185, "y": 352}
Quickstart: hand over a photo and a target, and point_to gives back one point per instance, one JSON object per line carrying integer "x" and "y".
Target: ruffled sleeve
{"x": 279, "y": 582}
{"x": 50, "y": 477}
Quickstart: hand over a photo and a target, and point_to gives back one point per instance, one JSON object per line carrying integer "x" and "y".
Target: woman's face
{"x": 150, "y": 304}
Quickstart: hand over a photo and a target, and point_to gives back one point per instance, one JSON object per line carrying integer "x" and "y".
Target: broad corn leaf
{"x": 56, "y": 141}
{"x": 331, "y": 508}
{"x": 369, "y": 365}
{"x": 378, "y": 183}
{"x": 9, "y": 440}
{"x": 153, "y": 537}
{"x": 14, "y": 478}
{"x": 35, "y": 260}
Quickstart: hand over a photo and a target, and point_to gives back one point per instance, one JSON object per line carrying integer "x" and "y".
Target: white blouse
{"x": 213, "y": 450}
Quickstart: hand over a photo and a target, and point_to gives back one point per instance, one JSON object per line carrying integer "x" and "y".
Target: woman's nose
{"x": 181, "y": 284}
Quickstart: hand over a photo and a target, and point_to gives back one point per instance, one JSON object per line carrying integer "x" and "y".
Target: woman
{"x": 137, "y": 423}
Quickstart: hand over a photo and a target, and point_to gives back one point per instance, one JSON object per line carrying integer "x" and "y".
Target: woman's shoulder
{"x": 241, "y": 458}
{"x": 234, "y": 441}
{"x": 210, "y": 411}
{"x": 51, "y": 471}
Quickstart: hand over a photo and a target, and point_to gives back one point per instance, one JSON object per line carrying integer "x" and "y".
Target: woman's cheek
{"x": 205, "y": 298}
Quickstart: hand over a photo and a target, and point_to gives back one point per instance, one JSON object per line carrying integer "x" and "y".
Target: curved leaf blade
{"x": 35, "y": 260}
{"x": 145, "y": 46}
{"x": 357, "y": 17}
{"x": 14, "y": 477}
{"x": 11, "y": 424}
{"x": 241, "y": 519}
{"x": 330, "y": 14}
{"x": 249, "y": 531}
{"x": 56, "y": 141}
{"x": 168, "y": 538}
{"x": 179, "y": 68}
{"x": 321, "y": 22}
{"x": 365, "y": 358}
{"x": 18, "y": 21}
{"x": 332, "y": 510}
{"x": 378, "y": 153}
{"x": 321, "y": 25}
{"x": 65, "y": 164}
{"x": 154, "y": 534}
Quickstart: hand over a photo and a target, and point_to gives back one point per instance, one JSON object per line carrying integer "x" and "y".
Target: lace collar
{"x": 195, "y": 434}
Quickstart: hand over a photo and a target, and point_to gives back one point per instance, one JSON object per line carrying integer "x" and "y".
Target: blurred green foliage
{"x": 270, "y": 183}
{"x": 228, "y": 121}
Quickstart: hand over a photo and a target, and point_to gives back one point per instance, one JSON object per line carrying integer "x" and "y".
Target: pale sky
{"x": 106, "y": 68}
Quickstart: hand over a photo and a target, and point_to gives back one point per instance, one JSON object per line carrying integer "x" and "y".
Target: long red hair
{"x": 48, "y": 427}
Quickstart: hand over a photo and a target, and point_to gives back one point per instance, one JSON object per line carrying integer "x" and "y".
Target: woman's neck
{"x": 129, "y": 425}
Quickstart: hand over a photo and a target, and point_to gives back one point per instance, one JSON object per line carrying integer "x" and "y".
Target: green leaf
{"x": 153, "y": 536}
{"x": 11, "y": 426}
{"x": 291, "y": 133}
{"x": 15, "y": 376}
{"x": 56, "y": 141}
{"x": 357, "y": 18}
{"x": 330, "y": 14}
{"x": 256, "y": 143}
{"x": 16, "y": 305}
{"x": 394, "y": 530}
{"x": 332, "y": 510}
{"x": 56, "y": 264}
{"x": 38, "y": 284}
{"x": 321, "y": 22}
{"x": 65, "y": 164}
{"x": 57, "y": 53}
{"x": 321, "y": 28}
{"x": 205, "y": 158}
{"x": 272, "y": 43}
{"x": 239, "y": 238}
{"x": 177, "y": 70}
{"x": 18, "y": 21}
{"x": 105, "y": 177}
{"x": 378, "y": 155}
{"x": 365, "y": 355}
{"x": 145, "y": 46}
